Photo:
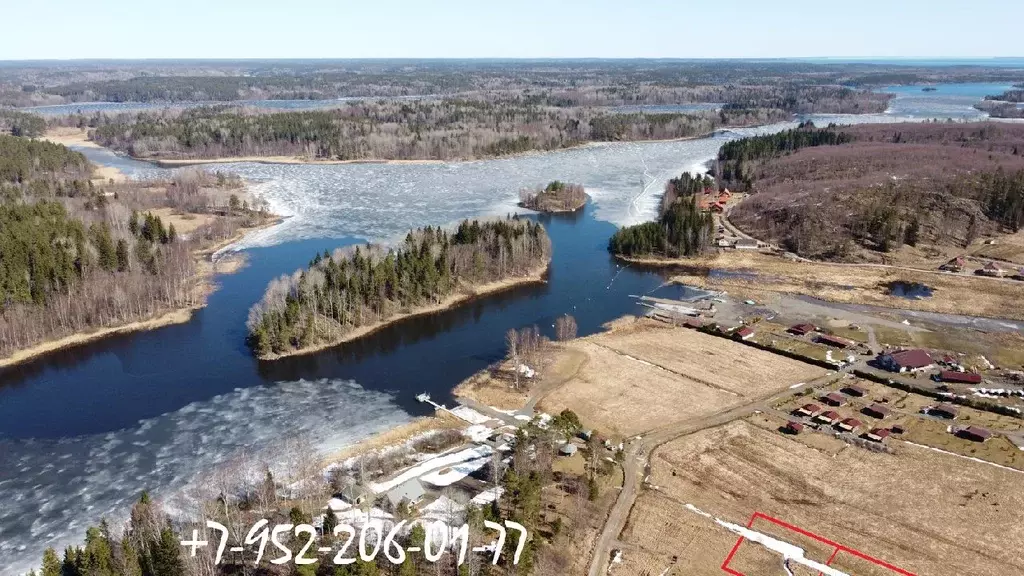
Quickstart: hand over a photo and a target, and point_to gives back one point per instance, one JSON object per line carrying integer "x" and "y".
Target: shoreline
{"x": 298, "y": 160}
{"x": 206, "y": 271}
{"x": 533, "y": 277}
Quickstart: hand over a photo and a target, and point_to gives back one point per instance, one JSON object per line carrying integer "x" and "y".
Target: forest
{"x": 1008, "y": 96}
{"x": 557, "y": 196}
{"x": 944, "y": 184}
{"x": 76, "y": 256}
{"x": 18, "y": 123}
{"x": 682, "y": 230}
{"x": 366, "y": 286}
{"x": 998, "y": 109}
{"x": 445, "y": 129}
{"x": 735, "y": 164}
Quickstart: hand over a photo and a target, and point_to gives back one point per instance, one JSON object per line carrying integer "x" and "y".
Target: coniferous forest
{"x": 682, "y": 230}
{"x": 77, "y": 254}
{"x": 352, "y": 289}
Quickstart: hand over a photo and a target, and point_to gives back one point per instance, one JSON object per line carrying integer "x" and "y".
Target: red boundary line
{"x": 838, "y": 547}
{"x": 830, "y": 559}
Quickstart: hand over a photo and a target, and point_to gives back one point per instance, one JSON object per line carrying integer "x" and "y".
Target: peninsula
{"x": 350, "y": 293}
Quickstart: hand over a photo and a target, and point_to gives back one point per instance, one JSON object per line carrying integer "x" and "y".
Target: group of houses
{"x": 805, "y": 329}
{"x": 709, "y": 202}
{"x": 992, "y": 269}
{"x": 915, "y": 360}
{"x": 848, "y": 424}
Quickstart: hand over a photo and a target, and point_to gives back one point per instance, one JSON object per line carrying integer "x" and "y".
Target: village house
{"x": 992, "y": 269}
{"x": 906, "y": 361}
{"x": 830, "y": 340}
{"x": 829, "y": 417}
{"x": 955, "y": 377}
{"x": 876, "y": 411}
{"x": 834, "y": 399}
{"x": 955, "y": 265}
{"x": 974, "y": 434}
{"x": 946, "y": 411}
{"x": 744, "y": 333}
{"x": 747, "y": 244}
{"x": 854, "y": 390}
{"x": 849, "y": 425}
{"x": 801, "y": 329}
{"x": 807, "y": 410}
{"x": 792, "y": 427}
{"x": 411, "y": 492}
{"x": 877, "y": 434}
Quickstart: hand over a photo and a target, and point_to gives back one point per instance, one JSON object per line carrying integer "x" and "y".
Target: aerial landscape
{"x": 474, "y": 297}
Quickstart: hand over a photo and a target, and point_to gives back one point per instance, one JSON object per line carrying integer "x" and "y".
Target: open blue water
{"x": 82, "y": 431}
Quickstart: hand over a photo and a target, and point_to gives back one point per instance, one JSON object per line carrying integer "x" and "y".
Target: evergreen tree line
{"x": 734, "y": 165}
{"x": 1002, "y": 196}
{"x": 148, "y": 546}
{"x": 682, "y": 230}
{"x": 684, "y": 186}
{"x": 18, "y": 123}
{"x": 74, "y": 257}
{"x": 342, "y": 292}
{"x": 450, "y": 128}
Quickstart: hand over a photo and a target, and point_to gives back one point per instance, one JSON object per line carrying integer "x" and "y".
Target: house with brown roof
{"x": 801, "y": 329}
{"x": 834, "y": 399}
{"x": 955, "y": 265}
{"x": 849, "y": 425}
{"x": 877, "y": 434}
{"x": 906, "y": 361}
{"x": 792, "y": 427}
{"x": 974, "y": 434}
{"x": 747, "y": 244}
{"x": 955, "y": 377}
{"x": 854, "y": 390}
{"x": 744, "y": 333}
{"x": 992, "y": 269}
{"x": 876, "y": 411}
{"x": 829, "y": 417}
{"x": 946, "y": 411}
{"x": 830, "y": 340}
{"x": 807, "y": 410}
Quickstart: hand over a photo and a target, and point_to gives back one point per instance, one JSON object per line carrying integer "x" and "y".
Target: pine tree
{"x": 123, "y": 262}
{"x": 51, "y": 564}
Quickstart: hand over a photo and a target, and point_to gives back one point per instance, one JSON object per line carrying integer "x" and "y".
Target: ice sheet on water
{"x": 52, "y": 490}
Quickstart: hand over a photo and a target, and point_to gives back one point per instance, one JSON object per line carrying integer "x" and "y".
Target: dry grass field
{"x": 923, "y": 511}
{"x": 649, "y": 375}
{"x": 860, "y": 284}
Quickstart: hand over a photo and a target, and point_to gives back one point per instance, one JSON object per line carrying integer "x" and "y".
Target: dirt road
{"x": 638, "y": 453}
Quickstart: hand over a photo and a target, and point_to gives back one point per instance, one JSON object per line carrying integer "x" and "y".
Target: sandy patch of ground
{"x": 860, "y": 284}
{"x": 69, "y": 136}
{"x": 648, "y": 375}
{"x": 925, "y": 512}
{"x": 398, "y": 435}
{"x": 184, "y": 223}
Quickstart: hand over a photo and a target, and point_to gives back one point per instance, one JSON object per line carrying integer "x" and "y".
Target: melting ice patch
{"x": 52, "y": 490}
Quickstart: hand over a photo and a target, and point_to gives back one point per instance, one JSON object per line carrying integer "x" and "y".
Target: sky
{"x": 64, "y": 29}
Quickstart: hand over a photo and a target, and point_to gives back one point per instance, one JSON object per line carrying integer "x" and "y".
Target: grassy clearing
{"x": 934, "y": 433}
{"x": 861, "y": 284}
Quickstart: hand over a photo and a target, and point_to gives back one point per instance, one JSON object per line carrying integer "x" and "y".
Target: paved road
{"x": 638, "y": 453}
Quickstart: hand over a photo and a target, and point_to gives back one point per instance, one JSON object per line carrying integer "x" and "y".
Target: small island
{"x": 557, "y": 196}
{"x": 352, "y": 292}
{"x": 929, "y": 89}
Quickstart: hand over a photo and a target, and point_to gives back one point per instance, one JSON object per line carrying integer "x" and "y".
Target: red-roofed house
{"x": 744, "y": 333}
{"x": 992, "y": 269}
{"x": 801, "y": 329}
{"x": 808, "y": 410}
{"x": 944, "y": 411}
{"x": 829, "y": 417}
{"x": 834, "y": 399}
{"x": 876, "y": 411}
{"x": 906, "y": 361}
{"x": 959, "y": 377}
{"x": 974, "y": 434}
{"x": 877, "y": 434}
{"x": 793, "y": 427}
{"x": 849, "y": 424}
{"x": 955, "y": 265}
